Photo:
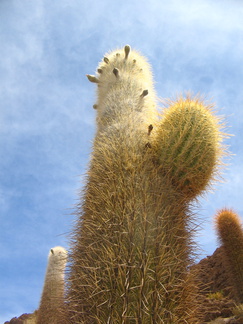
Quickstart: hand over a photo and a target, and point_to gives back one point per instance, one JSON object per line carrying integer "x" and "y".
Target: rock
{"x": 213, "y": 275}
{"x": 216, "y": 298}
{"x": 23, "y": 319}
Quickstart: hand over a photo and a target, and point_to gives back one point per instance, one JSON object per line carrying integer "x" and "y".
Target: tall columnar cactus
{"x": 132, "y": 244}
{"x": 52, "y": 300}
{"x": 230, "y": 233}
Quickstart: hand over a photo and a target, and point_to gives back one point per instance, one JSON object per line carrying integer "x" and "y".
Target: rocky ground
{"x": 216, "y": 297}
{"x": 23, "y": 319}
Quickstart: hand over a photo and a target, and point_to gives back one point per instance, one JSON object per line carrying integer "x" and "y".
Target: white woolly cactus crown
{"x": 124, "y": 78}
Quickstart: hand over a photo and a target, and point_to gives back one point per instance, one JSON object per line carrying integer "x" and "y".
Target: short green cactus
{"x": 189, "y": 145}
{"x": 230, "y": 233}
{"x": 132, "y": 244}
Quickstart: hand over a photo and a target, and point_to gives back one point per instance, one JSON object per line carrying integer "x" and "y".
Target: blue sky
{"x": 47, "y": 122}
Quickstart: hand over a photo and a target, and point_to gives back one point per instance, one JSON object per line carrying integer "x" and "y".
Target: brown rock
{"x": 23, "y": 319}
{"x": 215, "y": 290}
{"x": 213, "y": 275}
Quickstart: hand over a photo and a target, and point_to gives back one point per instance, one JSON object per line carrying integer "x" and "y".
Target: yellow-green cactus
{"x": 132, "y": 244}
{"x": 189, "y": 145}
{"x": 230, "y": 233}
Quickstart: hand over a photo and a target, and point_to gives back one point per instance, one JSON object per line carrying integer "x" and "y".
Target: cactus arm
{"x": 189, "y": 146}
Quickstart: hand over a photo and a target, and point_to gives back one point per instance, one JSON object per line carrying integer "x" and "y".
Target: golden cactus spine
{"x": 230, "y": 234}
{"x": 52, "y": 299}
{"x": 132, "y": 244}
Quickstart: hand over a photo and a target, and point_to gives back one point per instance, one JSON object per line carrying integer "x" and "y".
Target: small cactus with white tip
{"x": 52, "y": 299}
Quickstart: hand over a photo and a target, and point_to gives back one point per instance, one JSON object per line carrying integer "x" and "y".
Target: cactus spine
{"x": 132, "y": 244}
{"x": 230, "y": 234}
{"x": 52, "y": 299}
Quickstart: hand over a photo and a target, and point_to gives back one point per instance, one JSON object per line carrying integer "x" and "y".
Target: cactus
{"x": 52, "y": 299}
{"x": 189, "y": 145}
{"x": 132, "y": 244}
{"x": 230, "y": 234}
